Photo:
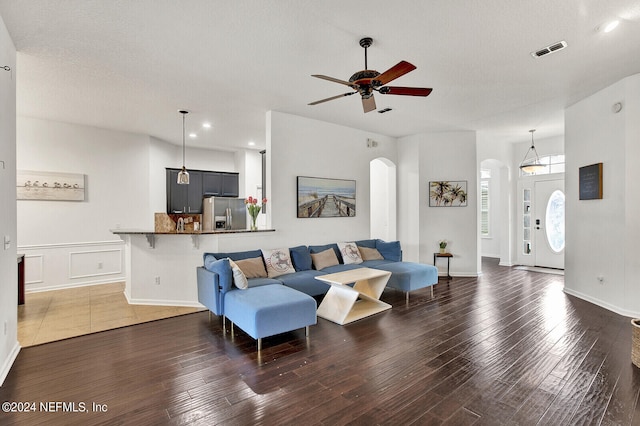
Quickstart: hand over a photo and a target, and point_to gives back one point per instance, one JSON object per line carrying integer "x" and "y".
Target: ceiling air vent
{"x": 549, "y": 49}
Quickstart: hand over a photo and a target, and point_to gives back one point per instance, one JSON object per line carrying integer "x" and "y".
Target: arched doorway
{"x": 382, "y": 201}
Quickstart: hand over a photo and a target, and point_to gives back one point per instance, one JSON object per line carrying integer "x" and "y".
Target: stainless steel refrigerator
{"x": 220, "y": 213}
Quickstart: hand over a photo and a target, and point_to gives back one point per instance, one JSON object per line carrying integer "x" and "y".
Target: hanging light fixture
{"x": 183, "y": 175}
{"x": 533, "y": 164}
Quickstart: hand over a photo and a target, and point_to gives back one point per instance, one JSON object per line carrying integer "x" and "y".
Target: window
{"x": 484, "y": 208}
{"x": 554, "y": 163}
{"x": 526, "y": 221}
{"x": 554, "y": 220}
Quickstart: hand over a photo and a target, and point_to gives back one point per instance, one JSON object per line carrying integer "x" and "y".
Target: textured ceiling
{"x": 130, "y": 65}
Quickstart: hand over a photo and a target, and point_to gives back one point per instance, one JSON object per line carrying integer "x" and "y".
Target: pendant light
{"x": 183, "y": 176}
{"x": 533, "y": 164}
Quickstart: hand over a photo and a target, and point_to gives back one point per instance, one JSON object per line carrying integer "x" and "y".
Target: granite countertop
{"x": 221, "y": 231}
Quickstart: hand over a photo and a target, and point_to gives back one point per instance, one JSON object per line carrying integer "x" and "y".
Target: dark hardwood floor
{"x": 506, "y": 348}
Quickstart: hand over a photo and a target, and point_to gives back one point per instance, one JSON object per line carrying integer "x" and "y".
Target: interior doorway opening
{"x": 382, "y": 199}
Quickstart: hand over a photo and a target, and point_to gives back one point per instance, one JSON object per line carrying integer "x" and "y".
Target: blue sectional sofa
{"x": 405, "y": 276}
{"x": 270, "y": 292}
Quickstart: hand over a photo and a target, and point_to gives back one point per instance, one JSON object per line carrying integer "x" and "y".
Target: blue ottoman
{"x": 269, "y": 310}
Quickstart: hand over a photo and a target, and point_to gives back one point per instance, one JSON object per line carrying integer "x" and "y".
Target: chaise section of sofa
{"x": 263, "y": 307}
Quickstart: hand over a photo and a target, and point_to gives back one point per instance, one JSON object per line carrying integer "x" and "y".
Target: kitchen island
{"x": 160, "y": 267}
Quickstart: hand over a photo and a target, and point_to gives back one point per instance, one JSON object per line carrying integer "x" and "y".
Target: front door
{"x": 548, "y": 226}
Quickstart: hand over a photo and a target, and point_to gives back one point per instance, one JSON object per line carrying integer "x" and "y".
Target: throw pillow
{"x": 350, "y": 253}
{"x": 252, "y": 267}
{"x": 301, "y": 258}
{"x": 390, "y": 250}
{"x": 370, "y": 254}
{"x": 278, "y": 262}
{"x": 239, "y": 279}
{"x": 324, "y": 259}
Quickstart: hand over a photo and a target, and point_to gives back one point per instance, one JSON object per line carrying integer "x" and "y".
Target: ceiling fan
{"x": 367, "y": 81}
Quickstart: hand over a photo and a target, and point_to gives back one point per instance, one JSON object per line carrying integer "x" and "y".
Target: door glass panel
{"x": 554, "y": 223}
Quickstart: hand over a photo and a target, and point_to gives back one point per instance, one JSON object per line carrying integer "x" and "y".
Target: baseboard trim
{"x": 8, "y": 363}
{"x": 74, "y": 285}
{"x": 162, "y": 302}
{"x": 603, "y": 304}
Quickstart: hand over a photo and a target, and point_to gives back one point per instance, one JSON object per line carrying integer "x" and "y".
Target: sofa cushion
{"x": 374, "y": 263}
{"x": 301, "y": 258}
{"x": 366, "y": 243}
{"x": 350, "y": 253}
{"x": 269, "y": 310}
{"x": 318, "y": 249}
{"x": 339, "y": 268}
{"x": 209, "y": 259}
{"x": 390, "y": 250}
{"x": 252, "y": 267}
{"x": 324, "y": 259}
{"x": 239, "y": 279}
{"x": 239, "y": 255}
{"x": 370, "y": 253}
{"x": 222, "y": 267}
{"x": 305, "y": 282}
{"x": 278, "y": 262}
{"x": 408, "y": 276}
{"x": 259, "y": 282}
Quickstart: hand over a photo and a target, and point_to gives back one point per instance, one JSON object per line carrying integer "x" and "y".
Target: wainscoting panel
{"x": 95, "y": 263}
{"x": 33, "y": 268}
{"x": 66, "y": 265}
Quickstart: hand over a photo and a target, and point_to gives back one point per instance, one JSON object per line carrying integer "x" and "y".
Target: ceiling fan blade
{"x": 407, "y": 91}
{"x": 335, "y": 80}
{"x": 331, "y": 98}
{"x": 398, "y": 70}
{"x": 368, "y": 104}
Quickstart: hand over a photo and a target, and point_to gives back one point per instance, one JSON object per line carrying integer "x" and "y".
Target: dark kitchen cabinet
{"x": 212, "y": 183}
{"x": 184, "y": 198}
{"x": 230, "y": 184}
{"x": 188, "y": 198}
{"x": 220, "y": 184}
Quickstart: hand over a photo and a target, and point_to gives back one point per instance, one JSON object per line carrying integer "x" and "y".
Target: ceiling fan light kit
{"x": 366, "y": 82}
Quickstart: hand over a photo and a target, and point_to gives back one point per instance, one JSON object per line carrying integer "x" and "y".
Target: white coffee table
{"x": 344, "y": 304}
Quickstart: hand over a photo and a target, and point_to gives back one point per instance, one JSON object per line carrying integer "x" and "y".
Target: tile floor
{"x": 59, "y": 314}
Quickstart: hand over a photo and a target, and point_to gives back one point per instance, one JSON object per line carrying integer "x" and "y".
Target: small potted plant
{"x": 443, "y": 246}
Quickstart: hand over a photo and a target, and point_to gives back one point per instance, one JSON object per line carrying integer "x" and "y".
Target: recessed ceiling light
{"x": 252, "y": 143}
{"x": 206, "y": 125}
{"x": 611, "y": 26}
{"x": 193, "y": 135}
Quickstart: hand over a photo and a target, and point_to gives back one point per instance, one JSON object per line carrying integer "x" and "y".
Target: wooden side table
{"x": 448, "y": 256}
{"x": 20, "y": 279}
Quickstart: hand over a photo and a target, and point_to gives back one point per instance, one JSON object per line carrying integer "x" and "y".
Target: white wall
{"x": 449, "y": 156}
{"x": 298, "y": 146}
{"x": 9, "y": 346}
{"x": 69, "y": 243}
{"x": 602, "y": 235}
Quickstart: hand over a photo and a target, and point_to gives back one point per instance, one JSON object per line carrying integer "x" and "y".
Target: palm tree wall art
{"x": 446, "y": 193}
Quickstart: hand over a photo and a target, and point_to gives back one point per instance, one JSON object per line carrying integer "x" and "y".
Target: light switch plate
{"x": 7, "y": 242}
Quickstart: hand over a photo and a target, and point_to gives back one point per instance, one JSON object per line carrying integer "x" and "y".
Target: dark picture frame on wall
{"x": 325, "y": 197}
{"x": 448, "y": 193}
{"x": 590, "y": 182}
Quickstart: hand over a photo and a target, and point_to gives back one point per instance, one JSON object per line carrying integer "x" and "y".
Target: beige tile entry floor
{"x": 59, "y": 314}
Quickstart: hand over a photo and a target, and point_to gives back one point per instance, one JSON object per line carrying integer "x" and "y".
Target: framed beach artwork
{"x": 50, "y": 186}
{"x": 448, "y": 193}
{"x": 322, "y": 197}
